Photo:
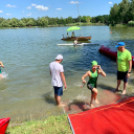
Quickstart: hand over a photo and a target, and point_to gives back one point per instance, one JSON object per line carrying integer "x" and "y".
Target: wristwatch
{"x": 129, "y": 72}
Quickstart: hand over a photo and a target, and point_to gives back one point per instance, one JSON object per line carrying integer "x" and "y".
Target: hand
{"x": 65, "y": 86}
{"x": 128, "y": 75}
{"x": 99, "y": 67}
{"x": 3, "y": 66}
{"x": 84, "y": 81}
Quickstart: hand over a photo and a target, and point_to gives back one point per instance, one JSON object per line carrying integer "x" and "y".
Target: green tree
{"x": 14, "y": 22}
{"x": 21, "y": 24}
{"x": 88, "y": 19}
{"x": 114, "y": 14}
{"x": 5, "y": 24}
{"x": 42, "y": 22}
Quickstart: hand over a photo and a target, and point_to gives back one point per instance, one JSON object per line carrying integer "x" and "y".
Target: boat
{"x": 111, "y": 53}
{"x": 81, "y": 44}
{"x": 3, "y": 124}
{"x": 80, "y": 38}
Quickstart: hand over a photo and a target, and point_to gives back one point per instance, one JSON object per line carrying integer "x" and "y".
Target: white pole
{"x": 79, "y": 14}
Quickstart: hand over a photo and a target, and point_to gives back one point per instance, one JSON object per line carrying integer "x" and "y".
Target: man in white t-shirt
{"x": 57, "y": 74}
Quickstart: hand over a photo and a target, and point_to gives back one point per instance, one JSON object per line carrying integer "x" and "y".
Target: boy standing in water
{"x": 92, "y": 83}
{"x": 57, "y": 74}
{"x": 1, "y": 65}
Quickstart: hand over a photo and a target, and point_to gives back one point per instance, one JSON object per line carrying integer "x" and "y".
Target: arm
{"x": 130, "y": 67}
{"x": 100, "y": 71}
{"x": 84, "y": 76}
{"x": 1, "y": 64}
{"x": 63, "y": 79}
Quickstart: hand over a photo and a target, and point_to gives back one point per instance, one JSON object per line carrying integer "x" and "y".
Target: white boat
{"x": 81, "y": 44}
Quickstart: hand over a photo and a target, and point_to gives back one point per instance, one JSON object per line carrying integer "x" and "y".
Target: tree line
{"x": 122, "y": 12}
{"x": 45, "y": 21}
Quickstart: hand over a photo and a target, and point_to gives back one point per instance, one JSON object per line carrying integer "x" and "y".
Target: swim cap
{"x": 94, "y": 63}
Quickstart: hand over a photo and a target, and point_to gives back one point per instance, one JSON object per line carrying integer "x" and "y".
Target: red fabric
{"x": 3, "y": 125}
{"x": 110, "y": 119}
{"x": 111, "y": 53}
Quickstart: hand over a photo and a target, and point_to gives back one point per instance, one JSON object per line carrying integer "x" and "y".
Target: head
{"x": 59, "y": 58}
{"x": 120, "y": 46}
{"x": 94, "y": 65}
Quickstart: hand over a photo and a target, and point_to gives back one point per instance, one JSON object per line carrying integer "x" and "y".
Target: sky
{"x": 54, "y": 8}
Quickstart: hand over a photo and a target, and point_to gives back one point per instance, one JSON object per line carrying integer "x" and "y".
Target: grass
{"x": 51, "y": 125}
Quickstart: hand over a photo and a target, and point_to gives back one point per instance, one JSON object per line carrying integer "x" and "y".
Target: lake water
{"x": 26, "y": 93}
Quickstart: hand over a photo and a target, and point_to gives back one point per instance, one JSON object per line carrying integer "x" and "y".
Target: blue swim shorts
{"x": 58, "y": 91}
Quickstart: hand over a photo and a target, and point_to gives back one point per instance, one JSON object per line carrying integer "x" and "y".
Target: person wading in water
{"x": 92, "y": 83}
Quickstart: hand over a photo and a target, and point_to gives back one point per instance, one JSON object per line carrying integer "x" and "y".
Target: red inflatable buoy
{"x": 3, "y": 125}
{"x": 111, "y": 53}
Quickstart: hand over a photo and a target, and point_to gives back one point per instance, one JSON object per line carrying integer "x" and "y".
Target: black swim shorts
{"x": 122, "y": 76}
{"x": 89, "y": 86}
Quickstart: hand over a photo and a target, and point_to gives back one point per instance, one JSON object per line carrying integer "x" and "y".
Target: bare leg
{"x": 58, "y": 100}
{"x": 125, "y": 86}
{"x": 91, "y": 102}
{"x": 95, "y": 95}
{"x": 1, "y": 76}
{"x": 118, "y": 84}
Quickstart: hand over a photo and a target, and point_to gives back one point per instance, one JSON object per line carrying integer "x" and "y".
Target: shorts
{"x": 122, "y": 76}
{"x": 58, "y": 91}
{"x": 90, "y": 87}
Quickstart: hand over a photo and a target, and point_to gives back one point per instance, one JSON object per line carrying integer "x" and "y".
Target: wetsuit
{"x": 92, "y": 83}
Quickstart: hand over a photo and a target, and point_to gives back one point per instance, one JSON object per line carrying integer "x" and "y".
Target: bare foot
{"x": 116, "y": 89}
{"x": 61, "y": 105}
{"x": 124, "y": 92}
{"x": 91, "y": 105}
{"x": 96, "y": 101}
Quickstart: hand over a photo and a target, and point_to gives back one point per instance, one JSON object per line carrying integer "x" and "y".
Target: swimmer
{"x": 1, "y": 65}
{"x": 92, "y": 83}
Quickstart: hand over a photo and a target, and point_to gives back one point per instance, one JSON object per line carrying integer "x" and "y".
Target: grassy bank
{"x": 51, "y": 125}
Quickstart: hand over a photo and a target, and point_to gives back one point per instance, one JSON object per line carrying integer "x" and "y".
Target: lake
{"x": 26, "y": 93}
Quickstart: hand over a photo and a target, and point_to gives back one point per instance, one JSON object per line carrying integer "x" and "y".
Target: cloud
{"x": 33, "y": 5}
{"x": 1, "y": 11}
{"x": 8, "y": 5}
{"x": 8, "y": 14}
{"x": 110, "y": 3}
{"x": 29, "y": 7}
{"x": 58, "y": 8}
{"x": 23, "y": 11}
{"x": 74, "y": 2}
{"x": 41, "y": 7}
{"x": 29, "y": 14}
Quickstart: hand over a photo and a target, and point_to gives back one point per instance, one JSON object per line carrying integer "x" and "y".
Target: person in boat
{"x": 67, "y": 35}
{"x": 124, "y": 65}
{"x": 92, "y": 83}
{"x": 58, "y": 78}
{"x": 73, "y": 35}
{"x": 1, "y": 65}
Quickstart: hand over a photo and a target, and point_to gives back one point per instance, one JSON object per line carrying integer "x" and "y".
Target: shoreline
{"x": 61, "y": 25}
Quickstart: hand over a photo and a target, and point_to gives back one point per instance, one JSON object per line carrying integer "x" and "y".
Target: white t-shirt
{"x": 56, "y": 68}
